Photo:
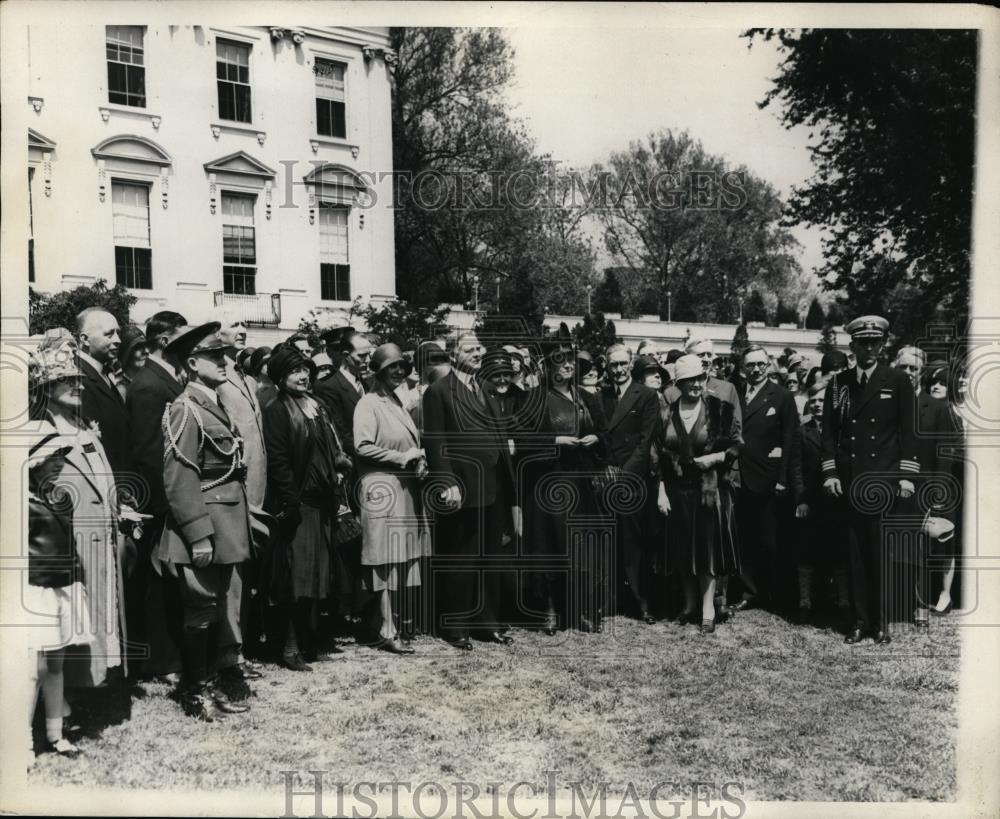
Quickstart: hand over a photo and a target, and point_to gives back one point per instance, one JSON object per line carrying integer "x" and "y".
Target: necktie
{"x": 864, "y": 380}
{"x": 618, "y": 391}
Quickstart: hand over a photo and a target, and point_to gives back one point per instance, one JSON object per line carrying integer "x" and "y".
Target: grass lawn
{"x": 789, "y": 712}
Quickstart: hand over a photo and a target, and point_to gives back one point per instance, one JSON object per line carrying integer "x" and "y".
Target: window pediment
{"x": 133, "y": 148}
{"x": 336, "y": 176}
{"x": 241, "y": 164}
{"x": 38, "y": 142}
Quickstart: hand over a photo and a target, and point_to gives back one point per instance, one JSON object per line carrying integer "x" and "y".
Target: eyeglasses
{"x": 756, "y": 365}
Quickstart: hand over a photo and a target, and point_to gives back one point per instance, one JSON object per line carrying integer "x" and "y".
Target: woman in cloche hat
{"x": 304, "y": 493}
{"x": 699, "y": 448}
{"x": 391, "y": 465}
{"x": 73, "y": 506}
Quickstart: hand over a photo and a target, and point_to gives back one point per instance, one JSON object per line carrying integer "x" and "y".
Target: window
{"x": 331, "y": 117}
{"x": 239, "y": 250}
{"x": 232, "y": 72}
{"x": 133, "y": 256}
{"x": 126, "y": 65}
{"x": 31, "y": 227}
{"x": 334, "y": 257}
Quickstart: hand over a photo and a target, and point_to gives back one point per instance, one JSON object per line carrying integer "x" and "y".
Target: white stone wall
{"x": 73, "y": 228}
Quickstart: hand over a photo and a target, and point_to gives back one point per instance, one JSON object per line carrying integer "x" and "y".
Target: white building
{"x": 204, "y": 166}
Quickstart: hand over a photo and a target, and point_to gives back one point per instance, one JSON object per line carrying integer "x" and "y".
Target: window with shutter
{"x": 130, "y": 218}
{"x": 331, "y": 99}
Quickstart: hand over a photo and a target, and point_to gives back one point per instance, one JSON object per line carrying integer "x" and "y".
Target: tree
{"x": 683, "y": 221}
{"x": 607, "y": 296}
{"x": 834, "y": 314}
{"x": 815, "y": 318}
{"x": 891, "y": 113}
{"x": 595, "y": 334}
{"x": 754, "y": 308}
{"x": 911, "y": 314}
{"x": 741, "y": 340}
{"x": 785, "y": 313}
{"x": 47, "y": 311}
{"x": 395, "y": 322}
{"x": 451, "y": 134}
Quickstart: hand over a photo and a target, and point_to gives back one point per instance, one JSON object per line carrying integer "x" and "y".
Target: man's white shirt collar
{"x": 467, "y": 379}
{"x": 351, "y": 378}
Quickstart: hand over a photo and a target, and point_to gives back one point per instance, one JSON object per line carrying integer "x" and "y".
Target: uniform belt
{"x": 209, "y": 476}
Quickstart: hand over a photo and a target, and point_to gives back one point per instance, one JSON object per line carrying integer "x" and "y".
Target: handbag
{"x": 348, "y": 527}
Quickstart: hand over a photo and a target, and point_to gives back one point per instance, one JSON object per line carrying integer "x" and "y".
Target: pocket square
{"x": 775, "y": 453}
{"x": 770, "y": 411}
{"x": 885, "y": 395}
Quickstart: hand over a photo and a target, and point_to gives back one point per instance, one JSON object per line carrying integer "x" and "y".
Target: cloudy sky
{"x": 585, "y": 92}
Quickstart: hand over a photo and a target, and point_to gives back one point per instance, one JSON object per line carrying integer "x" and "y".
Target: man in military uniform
{"x": 207, "y": 530}
{"x": 868, "y": 435}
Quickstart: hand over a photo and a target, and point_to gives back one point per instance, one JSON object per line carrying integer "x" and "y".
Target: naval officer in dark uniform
{"x": 207, "y": 528}
{"x": 869, "y": 449}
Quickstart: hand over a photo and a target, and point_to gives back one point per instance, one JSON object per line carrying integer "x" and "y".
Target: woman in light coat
{"x": 390, "y": 465}
{"x": 85, "y": 475}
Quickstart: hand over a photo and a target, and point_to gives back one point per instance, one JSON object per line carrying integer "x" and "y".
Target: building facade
{"x": 207, "y": 167}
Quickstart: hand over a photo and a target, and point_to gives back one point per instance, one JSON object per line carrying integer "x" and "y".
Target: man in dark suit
{"x": 207, "y": 530}
{"x": 342, "y": 390}
{"x": 465, "y": 451}
{"x": 153, "y": 611}
{"x": 341, "y": 393}
{"x": 632, "y": 411}
{"x": 869, "y": 454}
{"x": 770, "y": 473}
{"x": 102, "y": 403}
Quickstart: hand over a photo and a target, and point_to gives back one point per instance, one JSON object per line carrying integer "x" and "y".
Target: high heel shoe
{"x": 942, "y": 612}
{"x": 63, "y": 747}
{"x": 551, "y": 624}
{"x": 707, "y": 626}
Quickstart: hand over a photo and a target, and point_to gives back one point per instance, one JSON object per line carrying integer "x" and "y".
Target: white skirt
{"x": 56, "y": 618}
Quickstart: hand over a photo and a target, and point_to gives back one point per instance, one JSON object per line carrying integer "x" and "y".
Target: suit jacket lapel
{"x": 239, "y": 381}
{"x": 760, "y": 399}
{"x": 871, "y": 389}
{"x": 172, "y": 383}
{"x": 99, "y": 381}
{"x": 624, "y": 404}
{"x": 348, "y": 388}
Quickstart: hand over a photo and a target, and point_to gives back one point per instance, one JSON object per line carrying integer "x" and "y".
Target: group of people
{"x": 198, "y": 507}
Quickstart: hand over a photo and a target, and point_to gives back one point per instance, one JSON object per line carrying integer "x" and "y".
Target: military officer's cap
{"x": 197, "y": 340}
{"x": 868, "y": 327}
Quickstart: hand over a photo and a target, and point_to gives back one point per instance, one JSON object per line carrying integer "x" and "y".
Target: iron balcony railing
{"x": 258, "y": 310}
